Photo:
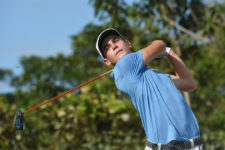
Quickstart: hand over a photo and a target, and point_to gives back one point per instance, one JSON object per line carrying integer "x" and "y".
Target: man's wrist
{"x": 165, "y": 53}
{"x": 168, "y": 49}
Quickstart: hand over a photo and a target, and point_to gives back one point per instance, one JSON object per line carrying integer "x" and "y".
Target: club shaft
{"x": 77, "y": 87}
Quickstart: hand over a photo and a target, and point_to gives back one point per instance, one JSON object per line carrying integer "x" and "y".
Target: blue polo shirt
{"x": 164, "y": 113}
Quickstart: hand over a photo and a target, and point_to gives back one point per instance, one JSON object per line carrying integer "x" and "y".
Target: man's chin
{"x": 121, "y": 55}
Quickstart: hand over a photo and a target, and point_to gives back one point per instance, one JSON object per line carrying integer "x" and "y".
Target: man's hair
{"x": 105, "y": 42}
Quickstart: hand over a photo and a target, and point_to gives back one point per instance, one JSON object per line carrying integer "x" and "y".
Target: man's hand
{"x": 165, "y": 53}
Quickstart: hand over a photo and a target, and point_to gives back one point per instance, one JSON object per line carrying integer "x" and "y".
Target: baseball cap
{"x": 102, "y": 36}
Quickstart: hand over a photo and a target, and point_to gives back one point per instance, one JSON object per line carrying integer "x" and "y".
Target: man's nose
{"x": 115, "y": 46}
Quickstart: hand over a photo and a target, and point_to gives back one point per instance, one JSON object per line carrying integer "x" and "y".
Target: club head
{"x": 19, "y": 120}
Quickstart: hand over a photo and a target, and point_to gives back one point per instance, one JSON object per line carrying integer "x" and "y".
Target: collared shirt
{"x": 164, "y": 113}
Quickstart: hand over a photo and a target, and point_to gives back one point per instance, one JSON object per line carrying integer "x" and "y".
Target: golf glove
{"x": 165, "y": 53}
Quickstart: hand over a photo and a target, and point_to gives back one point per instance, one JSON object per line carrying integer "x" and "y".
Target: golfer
{"x": 168, "y": 121}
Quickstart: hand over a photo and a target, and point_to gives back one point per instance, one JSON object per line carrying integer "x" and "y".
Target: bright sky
{"x": 38, "y": 27}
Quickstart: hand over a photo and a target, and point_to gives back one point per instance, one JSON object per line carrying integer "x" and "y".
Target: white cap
{"x": 102, "y": 36}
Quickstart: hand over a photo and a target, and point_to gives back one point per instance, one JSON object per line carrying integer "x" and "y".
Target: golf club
{"x": 19, "y": 120}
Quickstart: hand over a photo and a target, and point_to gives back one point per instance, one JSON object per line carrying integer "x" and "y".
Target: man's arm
{"x": 183, "y": 78}
{"x": 151, "y": 51}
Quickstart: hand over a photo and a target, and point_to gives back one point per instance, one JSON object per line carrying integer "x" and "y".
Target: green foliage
{"x": 86, "y": 121}
{"x": 98, "y": 116}
{"x": 4, "y": 73}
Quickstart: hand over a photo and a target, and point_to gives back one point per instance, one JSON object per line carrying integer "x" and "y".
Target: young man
{"x": 167, "y": 119}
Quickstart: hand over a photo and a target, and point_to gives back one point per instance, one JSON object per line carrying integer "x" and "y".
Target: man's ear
{"x": 107, "y": 62}
{"x": 128, "y": 43}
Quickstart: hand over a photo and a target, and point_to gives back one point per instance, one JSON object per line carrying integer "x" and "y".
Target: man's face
{"x": 115, "y": 49}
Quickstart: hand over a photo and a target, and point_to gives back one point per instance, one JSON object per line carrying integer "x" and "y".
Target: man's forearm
{"x": 183, "y": 79}
{"x": 179, "y": 67}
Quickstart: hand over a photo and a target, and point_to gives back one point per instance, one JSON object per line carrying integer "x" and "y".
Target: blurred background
{"x": 48, "y": 47}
